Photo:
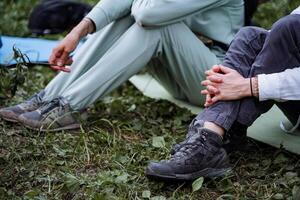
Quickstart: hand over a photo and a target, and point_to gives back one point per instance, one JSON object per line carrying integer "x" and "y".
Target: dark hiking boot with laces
{"x": 55, "y": 115}
{"x": 236, "y": 138}
{"x": 201, "y": 155}
{"x": 193, "y": 128}
{"x": 12, "y": 113}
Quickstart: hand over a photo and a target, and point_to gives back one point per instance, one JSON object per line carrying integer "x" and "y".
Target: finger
{"x": 204, "y": 92}
{"x": 52, "y": 59}
{"x": 212, "y": 72}
{"x": 208, "y": 103}
{"x": 63, "y": 58}
{"x": 226, "y": 70}
{"x": 57, "y": 51}
{"x": 207, "y": 100}
{"x": 214, "y": 78}
{"x": 59, "y": 68}
{"x": 212, "y": 90}
{"x": 208, "y": 72}
{"x": 55, "y": 55}
{"x": 205, "y": 83}
{"x": 208, "y": 82}
{"x": 216, "y": 98}
{"x": 69, "y": 61}
{"x": 216, "y": 68}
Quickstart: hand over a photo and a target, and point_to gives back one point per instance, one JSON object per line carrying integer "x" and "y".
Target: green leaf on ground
{"x": 146, "y": 194}
{"x": 197, "y": 184}
{"x": 158, "y": 142}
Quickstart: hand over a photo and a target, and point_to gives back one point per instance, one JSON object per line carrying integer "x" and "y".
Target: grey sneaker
{"x": 55, "y": 115}
{"x": 12, "y": 113}
{"x": 201, "y": 155}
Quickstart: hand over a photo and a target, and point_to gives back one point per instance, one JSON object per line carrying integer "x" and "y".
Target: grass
{"x": 107, "y": 157}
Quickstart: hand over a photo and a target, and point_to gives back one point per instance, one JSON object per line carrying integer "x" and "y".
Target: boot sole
{"x": 9, "y": 119}
{"x": 206, "y": 173}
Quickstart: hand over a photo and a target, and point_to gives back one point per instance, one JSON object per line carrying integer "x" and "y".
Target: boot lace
{"x": 57, "y": 102}
{"x": 190, "y": 145}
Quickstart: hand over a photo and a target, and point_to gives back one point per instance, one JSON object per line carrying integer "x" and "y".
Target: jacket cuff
{"x": 99, "y": 18}
{"x": 269, "y": 87}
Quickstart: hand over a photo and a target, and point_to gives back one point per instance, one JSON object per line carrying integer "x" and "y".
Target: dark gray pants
{"x": 257, "y": 51}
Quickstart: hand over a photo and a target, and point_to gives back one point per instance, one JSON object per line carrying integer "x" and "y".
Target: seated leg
{"x": 90, "y": 52}
{"x": 202, "y": 154}
{"x": 129, "y": 54}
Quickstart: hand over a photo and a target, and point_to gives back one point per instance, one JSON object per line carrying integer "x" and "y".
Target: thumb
{"x": 216, "y": 68}
{"x": 225, "y": 70}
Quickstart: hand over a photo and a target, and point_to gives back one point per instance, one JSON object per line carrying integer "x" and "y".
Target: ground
{"x": 107, "y": 157}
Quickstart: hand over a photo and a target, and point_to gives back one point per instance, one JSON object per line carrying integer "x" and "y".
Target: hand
{"x": 223, "y": 83}
{"x": 61, "y": 53}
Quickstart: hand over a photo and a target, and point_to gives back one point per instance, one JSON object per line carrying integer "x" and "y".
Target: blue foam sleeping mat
{"x": 37, "y": 50}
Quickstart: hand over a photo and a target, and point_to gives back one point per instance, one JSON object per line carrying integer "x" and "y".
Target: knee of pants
{"x": 286, "y": 24}
{"x": 249, "y": 33}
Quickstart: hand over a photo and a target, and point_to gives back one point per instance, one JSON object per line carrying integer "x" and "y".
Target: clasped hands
{"x": 223, "y": 84}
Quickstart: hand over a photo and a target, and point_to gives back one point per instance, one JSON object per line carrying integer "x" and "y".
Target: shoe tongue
{"x": 208, "y": 134}
{"x": 213, "y": 136}
{"x": 49, "y": 106}
{"x": 40, "y": 96}
{"x": 193, "y": 138}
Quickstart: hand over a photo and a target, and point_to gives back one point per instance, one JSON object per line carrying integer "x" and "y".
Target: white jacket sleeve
{"x": 163, "y": 12}
{"x": 281, "y": 86}
{"x": 296, "y": 11}
{"x": 107, "y": 11}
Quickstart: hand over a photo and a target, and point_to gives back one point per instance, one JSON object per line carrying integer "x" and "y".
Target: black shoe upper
{"x": 200, "y": 151}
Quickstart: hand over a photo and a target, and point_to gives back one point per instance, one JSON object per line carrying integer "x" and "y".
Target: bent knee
{"x": 250, "y": 32}
{"x": 289, "y": 22}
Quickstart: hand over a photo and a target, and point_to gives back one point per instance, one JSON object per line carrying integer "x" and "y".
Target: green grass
{"x": 107, "y": 157}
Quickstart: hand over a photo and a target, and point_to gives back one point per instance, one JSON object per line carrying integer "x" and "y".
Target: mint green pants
{"x": 173, "y": 54}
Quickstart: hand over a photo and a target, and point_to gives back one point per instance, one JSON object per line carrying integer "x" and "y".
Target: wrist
{"x": 83, "y": 28}
{"x": 254, "y": 85}
{"x": 246, "y": 88}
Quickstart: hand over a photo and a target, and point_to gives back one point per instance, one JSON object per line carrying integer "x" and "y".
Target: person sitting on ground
{"x": 261, "y": 68}
{"x": 130, "y": 34}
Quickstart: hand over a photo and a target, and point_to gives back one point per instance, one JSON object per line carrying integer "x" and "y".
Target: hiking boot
{"x": 12, "y": 113}
{"x": 193, "y": 128}
{"x": 201, "y": 155}
{"x": 55, "y": 115}
{"x": 236, "y": 138}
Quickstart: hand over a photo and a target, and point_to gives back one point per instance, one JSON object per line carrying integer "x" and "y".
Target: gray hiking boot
{"x": 12, "y": 113}
{"x": 55, "y": 115}
{"x": 201, "y": 155}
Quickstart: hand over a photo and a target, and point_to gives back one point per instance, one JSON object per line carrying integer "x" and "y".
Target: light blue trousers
{"x": 173, "y": 53}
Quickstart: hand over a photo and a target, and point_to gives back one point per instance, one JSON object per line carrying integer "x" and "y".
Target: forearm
{"x": 280, "y": 86}
{"x": 170, "y": 11}
{"x": 107, "y": 11}
{"x": 246, "y": 88}
{"x": 85, "y": 27}
{"x": 249, "y": 87}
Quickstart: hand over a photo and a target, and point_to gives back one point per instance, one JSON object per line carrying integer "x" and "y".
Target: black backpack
{"x": 56, "y": 16}
{"x": 250, "y": 8}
